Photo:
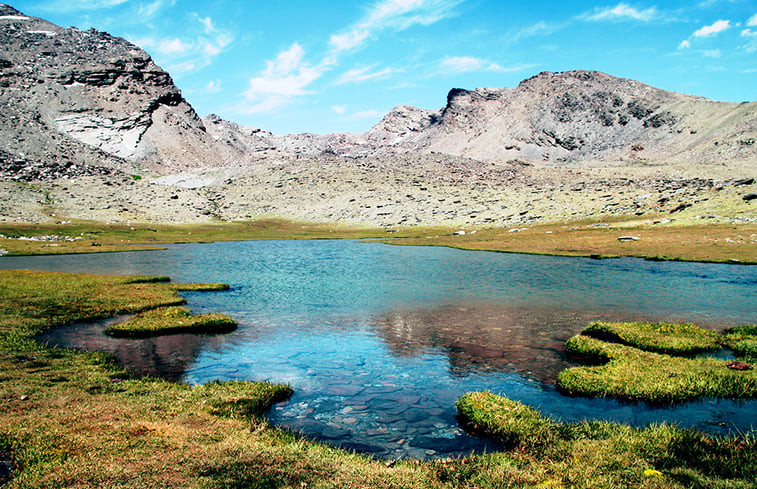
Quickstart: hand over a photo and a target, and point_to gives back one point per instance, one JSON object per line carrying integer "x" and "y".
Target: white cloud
{"x": 622, "y": 11}
{"x": 348, "y": 40}
{"x": 213, "y": 86}
{"x": 189, "y": 54}
{"x": 207, "y": 22}
{"x": 173, "y": 46}
{"x": 685, "y": 44}
{"x": 367, "y": 114}
{"x": 147, "y": 11}
{"x": 74, "y": 5}
{"x": 357, "y": 75}
{"x": 710, "y": 30}
{"x": 339, "y": 109}
{"x": 752, "y": 21}
{"x": 283, "y": 78}
{"x": 751, "y": 41}
{"x": 392, "y": 14}
{"x": 462, "y": 64}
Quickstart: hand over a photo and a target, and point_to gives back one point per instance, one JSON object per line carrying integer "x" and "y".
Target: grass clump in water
{"x": 634, "y": 374}
{"x": 598, "y": 454}
{"x": 742, "y": 340}
{"x": 671, "y": 338}
{"x": 171, "y": 320}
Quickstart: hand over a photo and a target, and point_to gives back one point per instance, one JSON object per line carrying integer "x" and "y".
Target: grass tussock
{"x": 171, "y": 320}
{"x": 742, "y": 340}
{"x": 601, "y": 454}
{"x": 670, "y": 338}
{"x": 77, "y": 419}
{"x": 638, "y": 373}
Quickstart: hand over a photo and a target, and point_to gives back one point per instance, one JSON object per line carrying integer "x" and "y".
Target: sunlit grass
{"x": 77, "y": 419}
{"x": 171, "y": 320}
{"x": 634, "y": 373}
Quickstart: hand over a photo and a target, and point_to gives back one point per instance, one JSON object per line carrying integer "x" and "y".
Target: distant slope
{"x": 551, "y": 117}
{"x": 578, "y": 115}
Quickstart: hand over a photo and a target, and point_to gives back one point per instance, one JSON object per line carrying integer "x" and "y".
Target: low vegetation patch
{"x": 171, "y": 320}
{"x": 601, "y": 454}
{"x": 743, "y": 341}
{"x": 671, "y": 338}
{"x": 633, "y": 373}
{"x": 77, "y": 419}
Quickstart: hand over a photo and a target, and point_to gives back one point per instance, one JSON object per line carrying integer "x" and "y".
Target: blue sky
{"x": 327, "y": 66}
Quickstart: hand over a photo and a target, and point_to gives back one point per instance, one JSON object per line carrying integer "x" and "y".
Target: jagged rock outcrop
{"x": 551, "y": 117}
{"x": 580, "y": 115}
{"x": 88, "y": 98}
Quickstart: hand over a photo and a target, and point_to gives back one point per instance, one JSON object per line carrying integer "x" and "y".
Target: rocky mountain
{"x": 551, "y": 117}
{"x": 84, "y": 102}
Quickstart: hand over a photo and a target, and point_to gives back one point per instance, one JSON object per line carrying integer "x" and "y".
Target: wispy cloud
{"x": 173, "y": 46}
{"x": 752, "y": 22}
{"x": 706, "y": 31}
{"x": 621, "y": 12}
{"x": 711, "y": 30}
{"x": 366, "y": 73}
{"x": 462, "y": 64}
{"x": 189, "y": 54}
{"x": 750, "y": 36}
{"x": 284, "y": 78}
{"x": 339, "y": 109}
{"x": 76, "y": 5}
{"x": 148, "y": 11}
{"x": 392, "y": 14}
{"x": 539, "y": 28}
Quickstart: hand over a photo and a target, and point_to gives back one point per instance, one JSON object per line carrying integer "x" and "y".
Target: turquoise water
{"x": 379, "y": 341}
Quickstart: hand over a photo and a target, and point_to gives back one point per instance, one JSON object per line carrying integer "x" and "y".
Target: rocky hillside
{"x": 551, "y": 117}
{"x": 84, "y": 102}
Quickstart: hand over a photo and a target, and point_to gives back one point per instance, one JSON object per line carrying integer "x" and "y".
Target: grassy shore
{"x": 709, "y": 243}
{"x": 76, "y": 419}
{"x": 639, "y": 372}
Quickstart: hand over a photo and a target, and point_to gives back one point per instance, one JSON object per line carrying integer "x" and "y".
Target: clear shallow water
{"x": 379, "y": 341}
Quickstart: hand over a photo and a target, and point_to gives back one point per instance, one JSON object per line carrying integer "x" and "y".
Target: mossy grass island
{"x": 654, "y": 363}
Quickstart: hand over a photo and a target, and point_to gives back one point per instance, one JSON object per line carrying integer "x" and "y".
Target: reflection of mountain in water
{"x": 484, "y": 337}
{"x": 166, "y": 357}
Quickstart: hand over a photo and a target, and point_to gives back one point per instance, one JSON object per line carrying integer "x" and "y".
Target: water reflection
{"x": 484, "y": 337}
{"x": 165, "y": 357}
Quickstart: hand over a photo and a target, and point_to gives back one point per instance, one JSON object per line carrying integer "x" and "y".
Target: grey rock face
{"x": 60, "y": 87}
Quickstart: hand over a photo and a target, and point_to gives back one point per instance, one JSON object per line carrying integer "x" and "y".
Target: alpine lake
{"x": 379, "y": 341}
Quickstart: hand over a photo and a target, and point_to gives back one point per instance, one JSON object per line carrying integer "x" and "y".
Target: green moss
{"x": 670, "y": 338}
{"x": 171, "y": 320}
{"x": 631, "y": 374}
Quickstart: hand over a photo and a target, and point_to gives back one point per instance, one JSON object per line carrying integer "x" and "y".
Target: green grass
{"x": 171, "y": 320}
{"x": 77, "y": 419}
{"x": 743, "y": 341}
{"x": 601, "y": 454}
{"x": 677, "y": 339}
{"x": 632, "y": 373}
{"x": 695, "y": 242}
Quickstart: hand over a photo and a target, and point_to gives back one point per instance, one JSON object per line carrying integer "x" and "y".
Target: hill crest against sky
{"x": 339, "y": 66}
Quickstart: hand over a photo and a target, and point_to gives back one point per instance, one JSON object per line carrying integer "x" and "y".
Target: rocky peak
{"x": 98, "y": 90}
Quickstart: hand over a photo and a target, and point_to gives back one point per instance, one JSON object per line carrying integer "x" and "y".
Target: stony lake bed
{"x": 378, "y": 341}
